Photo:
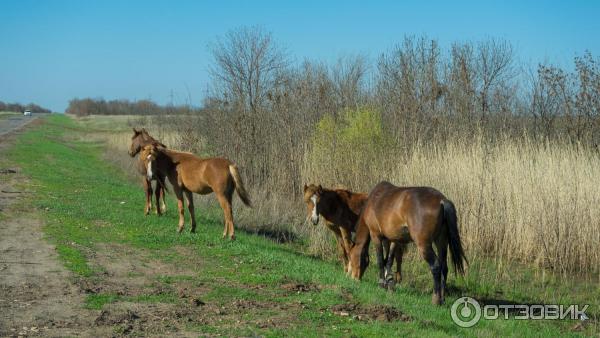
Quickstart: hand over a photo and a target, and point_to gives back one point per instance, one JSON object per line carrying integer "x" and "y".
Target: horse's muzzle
{"x": 314, "y": 220}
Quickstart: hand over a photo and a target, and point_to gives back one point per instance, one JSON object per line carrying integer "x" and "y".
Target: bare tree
{"x": 494, "y": 65}
{"x": 246, "y": 63}
{"x": 348, "y": 78}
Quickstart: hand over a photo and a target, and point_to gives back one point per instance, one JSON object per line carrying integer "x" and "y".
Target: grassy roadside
{"x": 87, "y": 202}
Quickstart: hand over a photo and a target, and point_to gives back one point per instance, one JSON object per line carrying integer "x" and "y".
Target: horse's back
{"x": 199, "y": 174}
{"x": 394, "y": 208}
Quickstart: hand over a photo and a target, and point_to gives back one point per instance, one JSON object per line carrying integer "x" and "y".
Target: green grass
{"x": 76, "y": 190}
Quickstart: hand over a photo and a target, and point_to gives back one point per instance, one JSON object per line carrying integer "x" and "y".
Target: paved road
{"x": 9, "y": 123}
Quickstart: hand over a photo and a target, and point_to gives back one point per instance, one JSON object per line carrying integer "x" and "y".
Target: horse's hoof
{"x": 382, "y": 283}
{"x": 193, "y": 230}
{"x": 391, "y": 285}
{"x": 436, "y": 300}
{"x": 179, "y": 230}
{"x": 232, "y": 238}
{"x": 397, "y": 277}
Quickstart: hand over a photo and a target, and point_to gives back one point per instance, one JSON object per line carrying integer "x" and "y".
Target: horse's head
{"x": 137, "y": 141}
{"x": 312, "y": 196}
{"x": 148, "y": 155}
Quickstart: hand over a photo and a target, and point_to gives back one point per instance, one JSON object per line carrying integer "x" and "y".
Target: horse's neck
{"x": 353, "y": 201}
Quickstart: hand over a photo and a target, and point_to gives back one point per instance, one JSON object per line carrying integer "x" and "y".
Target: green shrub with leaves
{"x": 346, "y": 147}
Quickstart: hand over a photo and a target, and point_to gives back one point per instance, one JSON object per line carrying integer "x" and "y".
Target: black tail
{"x": 161, "y": 184}
{"x": 456, "y": 249}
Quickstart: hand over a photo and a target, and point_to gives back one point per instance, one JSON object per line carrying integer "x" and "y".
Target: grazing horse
{"x": 340, "y": 208}
{"x": 191, "y": 174}
{"x": 400, "y": 215}
{"x": 140, "y": 139}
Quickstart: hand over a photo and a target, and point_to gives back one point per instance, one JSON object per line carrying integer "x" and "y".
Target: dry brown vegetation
{"x": 517, "y": 153}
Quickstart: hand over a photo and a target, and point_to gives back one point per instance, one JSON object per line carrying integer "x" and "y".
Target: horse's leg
{"x": 389, "y": 277}
{"x": 157, "y": 197}
{"x": 442, "y": 248}
{"x": 399, "y": 253}
{"x": 162, "y": 194}
{"x": 340, "y": 244}
{"x": 429, "y": 256}
{"x": 227, "y": 214}
{"x": 229, "y": 197}
{"x": 347, "y": 241}
{"x": 148, "y": 190}
{"x": 190, "y": 203}
{"x": 380, "y": 259}
{"x": 179, "y": 194}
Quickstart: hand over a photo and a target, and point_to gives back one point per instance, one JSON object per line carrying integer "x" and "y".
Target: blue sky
{"x": 52, "y": 51}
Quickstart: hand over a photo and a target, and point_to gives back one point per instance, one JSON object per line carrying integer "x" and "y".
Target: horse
{"x": 189, "y": 174}
{"x": 422, "y": 215}
{"x": 140, "y": 139}
{"x": 340, "y": 208}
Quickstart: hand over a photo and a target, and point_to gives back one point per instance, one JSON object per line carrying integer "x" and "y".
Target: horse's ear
{"x": 305, "y": 187}
{"x": 135, "y": 131}
{"x": 320, "y": 189}
{"x": 144, "y": 131}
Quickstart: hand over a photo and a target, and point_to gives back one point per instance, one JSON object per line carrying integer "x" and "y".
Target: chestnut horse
{"x": 140, "y": 139}
{"x": 340, "y": 208}
{"x": 422, "y": 215}
{"x": 191, "y": 174}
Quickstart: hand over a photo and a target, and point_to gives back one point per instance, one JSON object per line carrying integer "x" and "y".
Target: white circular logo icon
{"x": 465, "y": 312}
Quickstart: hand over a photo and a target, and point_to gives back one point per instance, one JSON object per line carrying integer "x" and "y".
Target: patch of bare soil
{"x": 380, "y": 313}
{"x": 299, "y": 287}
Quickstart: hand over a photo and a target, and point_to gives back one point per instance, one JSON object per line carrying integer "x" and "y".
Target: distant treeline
{"x": 88, "y": 106}
{"x": 17, "y": 107}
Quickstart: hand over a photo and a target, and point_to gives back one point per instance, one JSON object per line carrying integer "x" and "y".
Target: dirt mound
{"x": 298, "y": 287}
{"x": 380, "y": 313}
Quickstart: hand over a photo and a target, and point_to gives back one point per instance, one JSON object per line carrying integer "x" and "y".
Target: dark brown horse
{"x": 191, "y": 174}
{"x": 140, "y": 139}
{"x": 422, "y": 215}
{"x": 340, "y": 208}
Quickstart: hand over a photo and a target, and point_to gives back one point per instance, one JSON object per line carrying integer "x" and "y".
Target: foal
{"x": 140, "y": 139}
{"x": 419, "y": 214}
{"x": 191, "y": 174}
{"x": 340, "y": 208}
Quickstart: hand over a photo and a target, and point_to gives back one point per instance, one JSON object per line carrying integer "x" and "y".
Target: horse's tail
{"x": 162, "y": 185}
{"x": 239, "y": 185}
{"x": 456, "y": 248}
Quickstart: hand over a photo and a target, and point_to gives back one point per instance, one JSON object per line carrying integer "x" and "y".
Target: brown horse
{"x": 189, "y": 173}
{"x": 422, "y": 215}
{"x": 140, "y": 139}
{"x": 340, "y": 208}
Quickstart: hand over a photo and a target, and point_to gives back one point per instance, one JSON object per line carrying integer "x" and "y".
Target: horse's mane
{"x": 151, "y": 140}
